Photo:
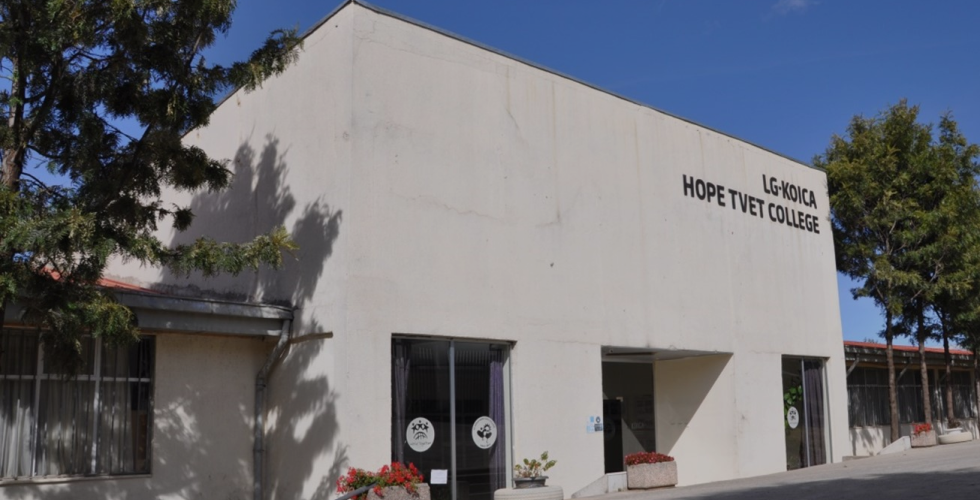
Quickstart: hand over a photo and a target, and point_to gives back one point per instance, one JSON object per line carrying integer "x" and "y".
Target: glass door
{"x": 421, "y": 410}
{"x": 449, "y": 415}
{"x": 804, "y": 412}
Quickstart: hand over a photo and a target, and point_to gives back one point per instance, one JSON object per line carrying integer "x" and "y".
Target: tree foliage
{"x": 904, "y": 204}
{"x": 74, "y": 71}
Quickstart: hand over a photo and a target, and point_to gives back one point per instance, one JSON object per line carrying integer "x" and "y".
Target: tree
{"x": 971, "y": 341}
{"x": 75, "y": 70}
{"x": 956, "y": 247}
{"x": 945, "y": 197}
{"x": 872, "y": 177}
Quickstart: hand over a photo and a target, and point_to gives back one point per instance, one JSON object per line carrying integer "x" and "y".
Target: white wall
{"x": 289, "y": 146}
{"x": 202, "y": 422}
{"x": 473, "y": 196}
{"x": 695, "y": 403}
{"x": 497, "y": 200}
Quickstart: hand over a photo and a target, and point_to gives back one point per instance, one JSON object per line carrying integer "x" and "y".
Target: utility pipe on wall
{"x": 259, "y": 431}
{"x": 286, "y": 339}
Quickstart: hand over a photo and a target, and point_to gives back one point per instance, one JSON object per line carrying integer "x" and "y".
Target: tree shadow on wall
{"x": 202, "y": 427}
{"x": 301, "y": 406}
{"x": 257, "y": 201}
{"x": 207, "y": 420}
{"x": 305, "y": 427}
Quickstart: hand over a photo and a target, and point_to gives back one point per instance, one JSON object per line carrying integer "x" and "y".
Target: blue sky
{"x": 784, "y": 74}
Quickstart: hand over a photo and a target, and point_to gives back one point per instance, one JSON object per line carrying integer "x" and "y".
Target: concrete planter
{"x": 645, "y": 476}
{"x": 542, "y": 493}
{"x": 400, "y": 493}
{"x": 956, "y": 435}
{"x": 924, "y": 439}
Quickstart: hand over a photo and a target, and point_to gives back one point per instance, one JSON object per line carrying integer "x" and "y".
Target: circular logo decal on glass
{"x": 484, "y": 432}
{"x": 420, "y": 434}
{"x": 793, "y": 417}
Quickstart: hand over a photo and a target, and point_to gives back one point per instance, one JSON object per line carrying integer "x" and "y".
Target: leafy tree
{"x": 872, "y": 177}
{"x": 75, "y": 70}
{"x": 956, "y": 249}
{"x": 946, "y": 196}
{"x": 971, "y": 341}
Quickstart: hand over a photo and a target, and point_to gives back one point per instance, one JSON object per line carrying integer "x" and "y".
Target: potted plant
{"x": 394, "y": 482}
{"x": 923, "y": 435}
{"x": 529, "y": 473}
{"x": 650, "y": 470}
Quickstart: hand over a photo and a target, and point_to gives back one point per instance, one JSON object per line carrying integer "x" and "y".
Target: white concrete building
{"x": 483, "y": 239}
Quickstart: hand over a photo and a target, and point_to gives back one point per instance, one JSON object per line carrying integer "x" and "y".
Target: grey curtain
{"x": 813, "y": 394}
{"x": 18, "y": 367}
{"x": 498, "y": 453}
{"x": 400, "y": 368}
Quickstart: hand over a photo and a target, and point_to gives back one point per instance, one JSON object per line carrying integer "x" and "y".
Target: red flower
{"x": 921, "y": 428}
{"x": 395, "y": 474}
{"x": 647, "y": 458}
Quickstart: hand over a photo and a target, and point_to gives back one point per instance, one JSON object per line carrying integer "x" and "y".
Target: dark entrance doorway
{"x": 627, "y": 410}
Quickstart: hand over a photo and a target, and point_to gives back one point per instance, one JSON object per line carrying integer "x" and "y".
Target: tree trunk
{"x": 892, "y": 389}
{"x": 921, "y": 337}
{"x": 14, "y": 156}
{"x": 976, "y": 381}
{"x": 950, "y": 413}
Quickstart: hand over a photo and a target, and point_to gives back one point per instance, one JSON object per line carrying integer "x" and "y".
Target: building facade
{"x": 495, "y": 260}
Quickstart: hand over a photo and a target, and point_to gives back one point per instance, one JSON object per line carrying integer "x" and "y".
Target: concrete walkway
{"x": 948, "y": 472}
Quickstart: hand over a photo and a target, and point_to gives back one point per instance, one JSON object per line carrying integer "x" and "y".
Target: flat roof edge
{"x": 137, "y": 300}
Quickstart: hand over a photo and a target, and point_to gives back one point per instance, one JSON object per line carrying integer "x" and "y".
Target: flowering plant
{"x": 922, "y": 428}
{"x": 534, "y": 468}
{"x": 394, "y": 475}
{"x": 647, "y": 458}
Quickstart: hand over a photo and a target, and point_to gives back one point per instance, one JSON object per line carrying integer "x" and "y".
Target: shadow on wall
{"x": 200, "y": 424}
{"x": 301, "y": 405}
{"x": 684, "y": 385}
{"x": 868, "y": 441}
{"x": 257, "y": 201}
{"x": 306, "y": 429}
{"x": 202, "y": 427}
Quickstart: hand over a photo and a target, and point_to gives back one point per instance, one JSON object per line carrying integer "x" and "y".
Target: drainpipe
{"x": 259, "y": 432}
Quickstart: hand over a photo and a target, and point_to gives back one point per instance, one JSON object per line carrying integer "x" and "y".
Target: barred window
{"x": 97, "y": 423}
{"x": 867, "y": 394}
{"x": 963, "y": 398}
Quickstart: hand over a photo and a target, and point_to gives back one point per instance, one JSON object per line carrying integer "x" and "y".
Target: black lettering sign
{"x": 778, "y": 212}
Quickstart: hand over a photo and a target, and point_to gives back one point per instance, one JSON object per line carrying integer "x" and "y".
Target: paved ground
{"x": 946, "y": 472}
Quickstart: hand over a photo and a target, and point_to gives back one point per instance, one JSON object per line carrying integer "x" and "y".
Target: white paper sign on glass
{"x": 439, "y": 476}
{"x": 420, "y": 434}
{"x": 484, "y": 432}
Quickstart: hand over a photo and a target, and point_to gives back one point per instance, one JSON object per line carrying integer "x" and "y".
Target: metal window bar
{"x": 868, "y": 398}
{"x": 452, "y": 414}
{"x": 35, "y": 438}
{"x": 96, "y": 423}
{"x": 94, "y": 438}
